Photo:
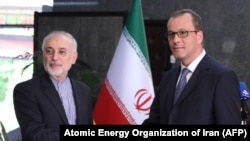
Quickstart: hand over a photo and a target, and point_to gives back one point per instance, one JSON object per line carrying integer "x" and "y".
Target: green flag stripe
{"x": 135, "y": 26}
{"x": 137, "y": 49}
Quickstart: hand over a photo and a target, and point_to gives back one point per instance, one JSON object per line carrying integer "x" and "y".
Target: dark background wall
{"x": 226, "y": 24}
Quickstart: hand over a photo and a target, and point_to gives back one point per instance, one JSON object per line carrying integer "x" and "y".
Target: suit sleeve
{"x": 154, "y": 116}
{"x": 227, "y": 99}
{"x": 29, "y": 116}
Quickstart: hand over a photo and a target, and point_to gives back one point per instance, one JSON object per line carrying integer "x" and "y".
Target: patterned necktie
{"x": 181, "y": 84}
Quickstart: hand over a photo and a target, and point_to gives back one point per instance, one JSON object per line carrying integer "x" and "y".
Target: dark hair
{"x": 197, "y": 22}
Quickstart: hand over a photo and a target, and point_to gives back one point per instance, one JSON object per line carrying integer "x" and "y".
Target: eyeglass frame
{"x": 180, "y": 34}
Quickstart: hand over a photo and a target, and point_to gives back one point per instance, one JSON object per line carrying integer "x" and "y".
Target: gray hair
{"x": 63, "y": 33}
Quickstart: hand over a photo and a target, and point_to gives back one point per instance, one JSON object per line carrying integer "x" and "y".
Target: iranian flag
{"x": 127, "y": 92}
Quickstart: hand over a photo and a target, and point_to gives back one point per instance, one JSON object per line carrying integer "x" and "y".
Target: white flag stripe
{"x": 127, "y": 79}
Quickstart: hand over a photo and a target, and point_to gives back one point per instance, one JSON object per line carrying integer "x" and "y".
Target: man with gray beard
{"x": 47, "y": 101}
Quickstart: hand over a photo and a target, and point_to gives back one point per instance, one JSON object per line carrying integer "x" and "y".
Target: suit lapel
{"x": 78, "y": 100}
{"x": 53, "y": 96}
{"x": 170, "y": 88}
{"x": 195, "y": 79}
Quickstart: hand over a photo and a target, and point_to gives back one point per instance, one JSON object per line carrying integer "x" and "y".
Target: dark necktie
{"x": 181, "y": 84}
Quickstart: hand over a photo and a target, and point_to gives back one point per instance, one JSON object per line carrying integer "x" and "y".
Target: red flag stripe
{"x": 110, "y": 109}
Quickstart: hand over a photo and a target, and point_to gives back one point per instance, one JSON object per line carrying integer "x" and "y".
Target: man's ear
{"x": 200, "y": 36}
{"x": 75, "y": 55}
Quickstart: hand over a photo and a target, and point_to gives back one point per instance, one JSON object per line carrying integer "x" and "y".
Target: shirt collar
{"x": 192, "y": 66}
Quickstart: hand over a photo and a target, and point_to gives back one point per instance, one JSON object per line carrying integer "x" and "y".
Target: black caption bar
{"x": 79, "y": 132}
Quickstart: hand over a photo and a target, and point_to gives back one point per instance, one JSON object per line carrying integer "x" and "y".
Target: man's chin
{"x": 55, "y": 73}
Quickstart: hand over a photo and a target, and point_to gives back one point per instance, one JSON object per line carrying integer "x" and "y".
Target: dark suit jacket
{"x": 211, "y": 96}
{"x": 39, "y": 109}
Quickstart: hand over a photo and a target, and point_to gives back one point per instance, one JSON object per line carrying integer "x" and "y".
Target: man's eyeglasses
{"x": 180, "y": 34}
{"x": 50, "y": 51}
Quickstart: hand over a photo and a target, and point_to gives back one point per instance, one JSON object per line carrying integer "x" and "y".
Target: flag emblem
{"x": 143, "y": 100}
